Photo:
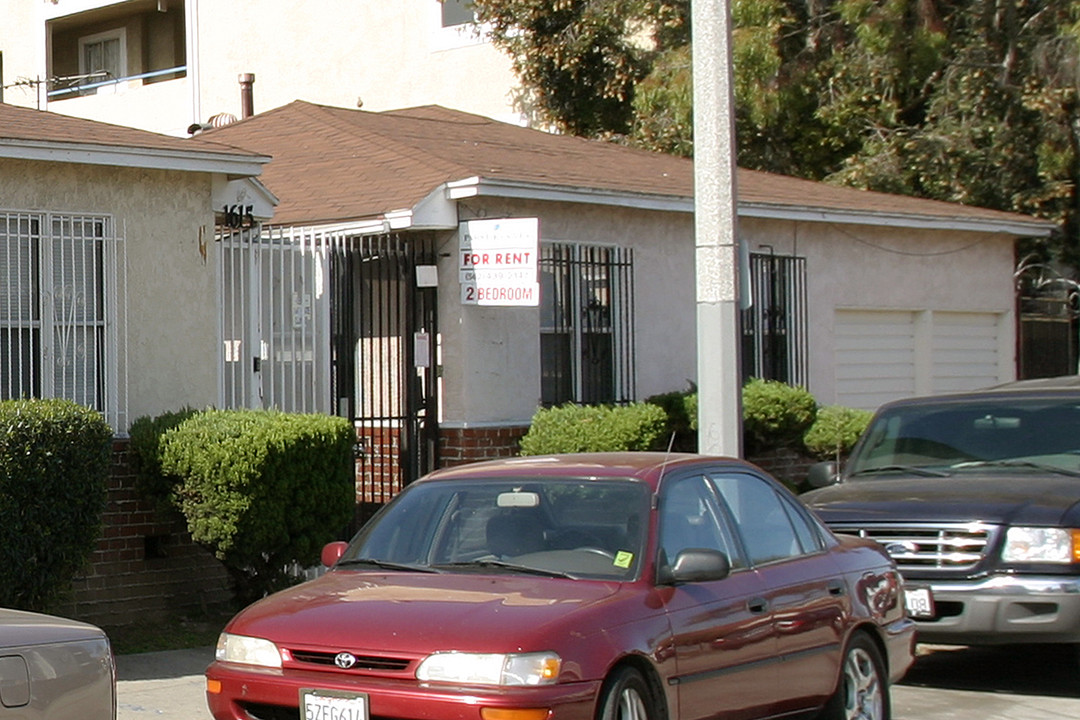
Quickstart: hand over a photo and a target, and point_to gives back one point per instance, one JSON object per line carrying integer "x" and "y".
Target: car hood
{"x": 23, "y": 629}
{"x": 1014, "y": 497}
{"x": 419, "y": 612}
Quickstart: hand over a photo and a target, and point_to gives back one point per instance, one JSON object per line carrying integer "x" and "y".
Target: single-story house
{"x": 437, "y": 276}
{"x": 462, "y": 272}
{"x": 108, "y": 287}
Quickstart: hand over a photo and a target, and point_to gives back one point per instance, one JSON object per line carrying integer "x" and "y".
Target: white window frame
{"x": 114, "y": 34}
{"x": 452, "y": 37}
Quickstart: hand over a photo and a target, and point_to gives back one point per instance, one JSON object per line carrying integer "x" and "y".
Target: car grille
{"x": 363, "y": 663}
{"x": 924, "y": 547}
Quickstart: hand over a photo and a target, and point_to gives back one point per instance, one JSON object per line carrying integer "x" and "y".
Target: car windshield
{"x": 944, "y": 439}
{"x": 555, "y": 527}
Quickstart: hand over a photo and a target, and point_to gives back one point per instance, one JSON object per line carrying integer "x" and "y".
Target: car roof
{"x": 646, "y": 466}
{"x": 1065, "y": 385}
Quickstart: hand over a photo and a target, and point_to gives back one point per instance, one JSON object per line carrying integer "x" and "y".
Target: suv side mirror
{"x": 823, "y": 474}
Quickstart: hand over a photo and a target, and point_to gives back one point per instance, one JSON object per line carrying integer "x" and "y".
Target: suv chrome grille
{"x": 939, "y": 547}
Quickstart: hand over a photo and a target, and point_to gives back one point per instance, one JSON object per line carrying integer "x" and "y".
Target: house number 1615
{"x": 239, "y": 216}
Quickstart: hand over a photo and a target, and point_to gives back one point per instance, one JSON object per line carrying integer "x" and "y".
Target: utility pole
{"x": 716, "y": 240}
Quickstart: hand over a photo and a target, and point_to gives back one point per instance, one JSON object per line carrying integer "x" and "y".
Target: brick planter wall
{"x": 458, "y": 446}
{"x": 786, "y": 465}
{"x": 145, "y": 565}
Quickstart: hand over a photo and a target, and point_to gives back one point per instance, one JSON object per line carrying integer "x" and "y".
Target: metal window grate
{"x": 587, "y": 320}
{"x": 63, "y": 311}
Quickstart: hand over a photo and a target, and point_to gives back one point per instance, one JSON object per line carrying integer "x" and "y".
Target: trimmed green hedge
{"x": 146, "y": 434}
{"x": 681, "y": 411}
{"x": 55, "y": 461}
{"x": 835, "y": 431}
{"x": 775, "y": 414}
{"x": 261, "y": 489}
{"x": 596, "y": 428}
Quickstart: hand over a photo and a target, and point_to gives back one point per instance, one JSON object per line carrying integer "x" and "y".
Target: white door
{"x": 884, "y": 355}
{"x": 874, "y": 359}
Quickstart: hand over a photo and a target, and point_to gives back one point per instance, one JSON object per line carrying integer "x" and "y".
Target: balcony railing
{"x": 84, "y": 87}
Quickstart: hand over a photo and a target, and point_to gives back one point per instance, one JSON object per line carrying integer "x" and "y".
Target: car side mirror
{"x": 698, "y": 565}
{"x": 823, "y": 474}
{"x": 332, "y": 552}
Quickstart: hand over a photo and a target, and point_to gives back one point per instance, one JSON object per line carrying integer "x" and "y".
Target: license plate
{"x": 332, "y": 705}
{"x": 919, "y": 602}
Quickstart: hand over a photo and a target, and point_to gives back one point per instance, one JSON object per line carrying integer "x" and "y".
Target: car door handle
{"x": 757, "y": 605}
{"x": 835, "y": 587}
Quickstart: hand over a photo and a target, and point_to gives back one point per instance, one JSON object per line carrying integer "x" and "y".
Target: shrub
{"x": 835, "y": 431}
{"x": 775, "y": 415}
{"x": 146, "y": 433}
{"x": 262, "y": 490}
{"x": 54, "y": 469}
{"x": 681, "y": 411}
{"x": 595, "y": 428}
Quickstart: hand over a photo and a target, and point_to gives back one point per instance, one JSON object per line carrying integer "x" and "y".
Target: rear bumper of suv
{"x": 1003, "y": 609}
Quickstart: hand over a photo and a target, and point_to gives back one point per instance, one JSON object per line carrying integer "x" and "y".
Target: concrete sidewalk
{"x": 163, "y": 685}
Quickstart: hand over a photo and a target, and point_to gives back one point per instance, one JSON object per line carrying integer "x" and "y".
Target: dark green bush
{"x": 775, "y": 415}
{"x": 835, "y": 431}
{"x": 54, "y": 469}
{"x": 595, "y": 428}
{"x": 262, "y": 490}
{"x": 681, "y": 411}
{"x": 146, "y": 433}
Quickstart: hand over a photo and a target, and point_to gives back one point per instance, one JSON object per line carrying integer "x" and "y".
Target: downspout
{"x": 193, "y": 65}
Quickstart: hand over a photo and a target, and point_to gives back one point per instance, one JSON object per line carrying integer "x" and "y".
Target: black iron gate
{"x": 383, "y": 361}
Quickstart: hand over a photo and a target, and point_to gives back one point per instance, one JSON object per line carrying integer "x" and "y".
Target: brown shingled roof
{"x": 20, "y": 125}
{"x": 334, "y": 164}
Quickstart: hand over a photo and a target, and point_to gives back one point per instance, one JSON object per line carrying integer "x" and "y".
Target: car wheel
{"x": 627, "y": 696}
{"x": 863, "y": 690}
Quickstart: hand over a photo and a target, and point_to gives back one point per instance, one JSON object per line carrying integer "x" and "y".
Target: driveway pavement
{"x": 170, "y": 686}
{"x": 163, "y": 685}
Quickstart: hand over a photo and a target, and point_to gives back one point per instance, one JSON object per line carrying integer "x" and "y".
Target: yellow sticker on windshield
{"x": 623, "y": 559}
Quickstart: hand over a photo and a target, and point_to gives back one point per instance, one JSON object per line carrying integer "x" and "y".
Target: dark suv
{"x": 977, "y": 498}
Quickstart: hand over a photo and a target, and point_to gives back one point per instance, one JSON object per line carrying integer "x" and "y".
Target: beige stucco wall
{"x": 491, "y": 355}
{"x": 172, "y": 351}
{"x": 864, "y": 267}
{"x": 23, "y": 50}
{"x": 386, "y": 55}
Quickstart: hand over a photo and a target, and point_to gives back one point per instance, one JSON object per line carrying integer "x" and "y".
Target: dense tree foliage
{"x": 972, "y": 101}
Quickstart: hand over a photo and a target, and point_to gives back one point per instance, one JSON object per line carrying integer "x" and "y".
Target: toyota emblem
{"x": 344, "y": 660}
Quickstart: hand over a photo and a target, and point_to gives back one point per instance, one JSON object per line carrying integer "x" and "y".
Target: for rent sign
{"x": 497, "y": 261}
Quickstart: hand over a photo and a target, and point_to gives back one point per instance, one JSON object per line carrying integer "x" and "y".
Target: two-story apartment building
{"x": 165, "y": 65}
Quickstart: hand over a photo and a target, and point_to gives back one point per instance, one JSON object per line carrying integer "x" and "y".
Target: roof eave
{"x": 234, "y": 165}
{"x": 488, "y": 187}
{"x": 494, "y": 187}
{"x": 1017, "y": 227}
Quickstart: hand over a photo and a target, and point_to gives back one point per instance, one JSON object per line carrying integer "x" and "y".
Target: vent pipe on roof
{"x": 247, "y": 97}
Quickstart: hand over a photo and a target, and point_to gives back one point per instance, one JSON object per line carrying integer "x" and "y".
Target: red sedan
{"x": 630, "y": 586}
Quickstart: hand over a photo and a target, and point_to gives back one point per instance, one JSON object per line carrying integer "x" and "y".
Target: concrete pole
{"x": 717, "y": 251}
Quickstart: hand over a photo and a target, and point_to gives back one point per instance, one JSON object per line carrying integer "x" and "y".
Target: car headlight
{"x": 1041, "y": 545}
{"x": 490, "y": 668}
{"x": 247, "y": 650}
